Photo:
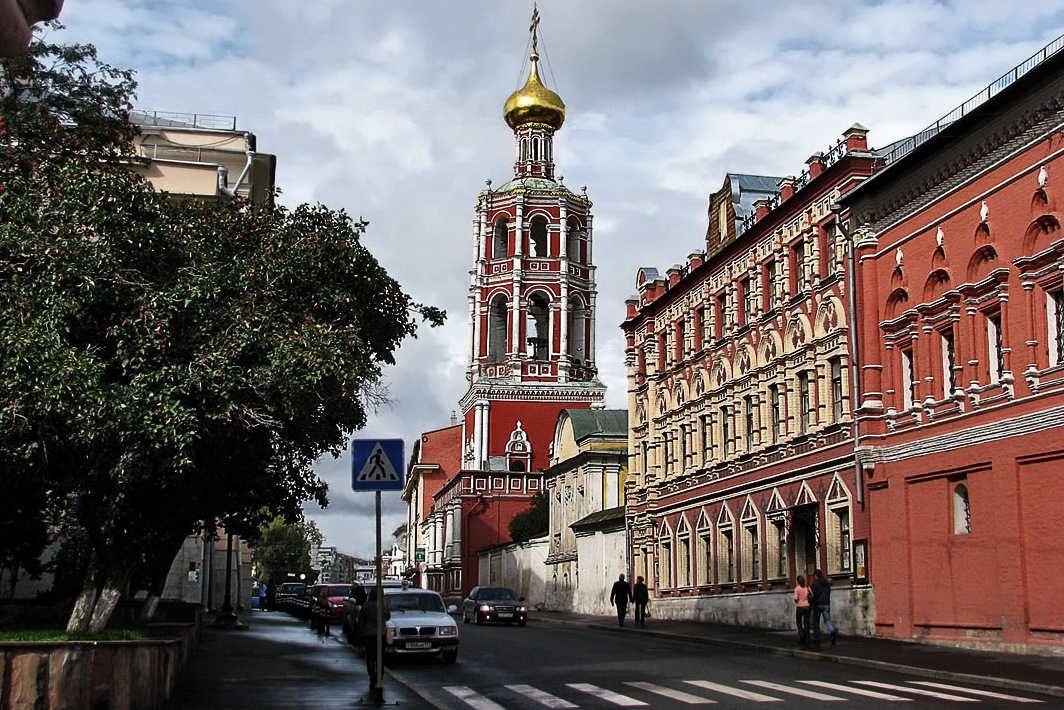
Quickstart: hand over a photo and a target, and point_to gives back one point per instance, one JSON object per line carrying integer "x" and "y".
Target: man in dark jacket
{"x": 641, "y": 597}
{"x": 620, "y": 595}
{"x": 368, "y": 632}
{"x": 822, "y": 607}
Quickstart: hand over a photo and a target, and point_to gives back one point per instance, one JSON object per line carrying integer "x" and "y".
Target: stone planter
{"x": 83, "y": 675}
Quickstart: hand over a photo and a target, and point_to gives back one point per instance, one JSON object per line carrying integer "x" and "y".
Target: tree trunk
{"x": 106, "y": 603}
{"x": 151, "y": 605}
{"x": 85, "y": 603}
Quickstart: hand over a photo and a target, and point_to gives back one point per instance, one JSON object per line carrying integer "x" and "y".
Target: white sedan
{"x": 421, "y": 624}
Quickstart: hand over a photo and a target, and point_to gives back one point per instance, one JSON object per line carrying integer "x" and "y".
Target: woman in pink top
{"x": 802, "y": 597}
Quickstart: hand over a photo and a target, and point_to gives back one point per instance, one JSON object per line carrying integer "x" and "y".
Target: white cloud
{"x": 393, "y": 111}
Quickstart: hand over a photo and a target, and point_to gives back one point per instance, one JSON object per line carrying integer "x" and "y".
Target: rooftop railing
{"x": 170, "y": 119}
{"x": 909, "y": 145}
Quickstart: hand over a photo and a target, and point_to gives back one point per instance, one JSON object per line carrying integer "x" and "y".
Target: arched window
{"x": 538, "y": 327}
{"x": 962, "y": 510}
{"x": 538, "y": 236}
{"x": 577, "y": 330}
{"x": 573, "y": 241}
{"x": 498, "y": 316}
{"x": 501, "y": 239}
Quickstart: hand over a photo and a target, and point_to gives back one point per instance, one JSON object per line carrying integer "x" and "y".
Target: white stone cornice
{"x": 969, "y": 436}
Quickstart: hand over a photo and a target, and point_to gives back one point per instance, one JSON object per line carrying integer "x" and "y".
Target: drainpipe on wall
{"x": 223, "y": 176}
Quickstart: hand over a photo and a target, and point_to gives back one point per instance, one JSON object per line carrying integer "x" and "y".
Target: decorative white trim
{"x": 970, "y": 436}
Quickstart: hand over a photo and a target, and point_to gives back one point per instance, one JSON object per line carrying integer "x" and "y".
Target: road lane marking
{"x": 737, "y": 692}
{"x": 472, "y": 698}
{"x": 974, "y": 691}
{"x": 793, "y": 691}
{"x": 670, "y": 693}
{"x": 857, "y": 691}
{"x": 607, "y": 695}
{"x": 917, "y": 691}
{"x": 542, "y": 697}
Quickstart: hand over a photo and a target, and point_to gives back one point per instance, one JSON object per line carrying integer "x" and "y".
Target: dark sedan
{"x": 494, "y": 604}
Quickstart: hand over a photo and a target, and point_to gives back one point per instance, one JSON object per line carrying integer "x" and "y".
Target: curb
{"x": 1004, "y": 683}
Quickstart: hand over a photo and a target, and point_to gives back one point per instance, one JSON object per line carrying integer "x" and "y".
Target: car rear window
{"x": 338, "y": 590}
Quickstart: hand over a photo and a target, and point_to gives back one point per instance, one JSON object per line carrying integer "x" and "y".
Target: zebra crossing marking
{"x": 475, "y": 700}
{"x": 683, "y": 697}
{"x": 793, "y": 691}
{"x": 607, "y": 695}
{"x": 542, "y": 697}
{"x": 472, "y": 698}
{"x": 737, "y": 692}
{"x": 917, "y": 691}
{"x": 857, "y": 691}
{"x": 975, "y": 691}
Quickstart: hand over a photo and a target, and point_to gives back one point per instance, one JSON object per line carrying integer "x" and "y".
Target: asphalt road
{"x": 552, "y": 666}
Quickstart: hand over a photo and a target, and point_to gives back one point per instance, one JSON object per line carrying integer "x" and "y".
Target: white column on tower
{"x": 563, "y": 344}
{"x": 485, "y": 432}
{"x": 517, "y": 305}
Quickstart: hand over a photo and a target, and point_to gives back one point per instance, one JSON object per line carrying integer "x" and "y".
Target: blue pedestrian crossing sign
{"x": 376, "y": 464}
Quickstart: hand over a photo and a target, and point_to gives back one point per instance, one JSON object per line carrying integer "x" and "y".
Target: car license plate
{"x": 506, "y": 615}
{"x": 418, "y": 645}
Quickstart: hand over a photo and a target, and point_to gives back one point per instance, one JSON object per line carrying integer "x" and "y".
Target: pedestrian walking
{"x": 822, "y": 607}
{"x": 620, "y": 595}
{"x": 271, "y": 595}
{"x": 368, "y": 632}
{"x": 802, "y": 597}
{"x": 641, "y": 597}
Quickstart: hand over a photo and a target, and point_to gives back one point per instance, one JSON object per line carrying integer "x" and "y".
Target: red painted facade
{"x": 961, "y": 424}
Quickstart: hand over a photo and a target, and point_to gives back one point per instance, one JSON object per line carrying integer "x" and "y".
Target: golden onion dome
{"x": 534, "y": 102}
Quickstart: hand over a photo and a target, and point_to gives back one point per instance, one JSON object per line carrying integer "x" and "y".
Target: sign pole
{"x": 378, "y": 682}
{"x": 377, "y": 465}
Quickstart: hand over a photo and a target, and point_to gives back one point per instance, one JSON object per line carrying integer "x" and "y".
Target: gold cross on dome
{"x": 534, "y": 28}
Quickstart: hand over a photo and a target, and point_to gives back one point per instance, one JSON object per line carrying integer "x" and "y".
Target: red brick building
{"x": 532, "y": 345}
{"x": 741, "y": 434}
{"x": 961, "y": 314}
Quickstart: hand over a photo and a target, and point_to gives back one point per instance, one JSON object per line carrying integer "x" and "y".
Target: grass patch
{"x": 38, "y": 635}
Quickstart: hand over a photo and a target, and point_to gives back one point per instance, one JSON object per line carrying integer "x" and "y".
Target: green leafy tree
{"x": 533, "y": 522}
{"x": 284, "y": 548}
{"x": 164, "y": 362}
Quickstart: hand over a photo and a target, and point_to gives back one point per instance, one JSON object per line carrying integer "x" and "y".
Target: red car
{"x": 329, "y": 604}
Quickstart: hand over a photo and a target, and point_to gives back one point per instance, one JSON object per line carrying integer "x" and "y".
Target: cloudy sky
{"x": 393, "y": 111}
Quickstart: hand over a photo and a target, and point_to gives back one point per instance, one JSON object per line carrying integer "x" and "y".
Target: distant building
{"x": 960, "y": 255}
{"x": 198, "y": 155}
{"x": 588, "y": 541}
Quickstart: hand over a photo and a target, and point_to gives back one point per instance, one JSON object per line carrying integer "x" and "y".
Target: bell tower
{"x": 531, "y": 296}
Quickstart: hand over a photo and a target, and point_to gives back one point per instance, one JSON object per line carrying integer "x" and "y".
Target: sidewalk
{"x": 1030, "y": 673}
{"x": 278, "y": 662}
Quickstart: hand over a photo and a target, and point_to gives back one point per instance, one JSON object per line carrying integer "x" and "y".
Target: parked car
{"x": 285, "y": 598}
{"x": 327, "y": 604}
{"x": 304, "y": 603}
{"x": 500, "y": 604}
{"x": 420, "y": 624}
{"x": 356, "y": 597}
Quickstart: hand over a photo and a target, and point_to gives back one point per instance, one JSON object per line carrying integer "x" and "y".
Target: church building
{"x": 531, "y": 350}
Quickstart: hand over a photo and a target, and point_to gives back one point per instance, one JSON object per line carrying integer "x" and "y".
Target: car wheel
{"x": 450, "y": 655}
{"x": 465, "y": 618}
{"x": 480, "y": 619}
